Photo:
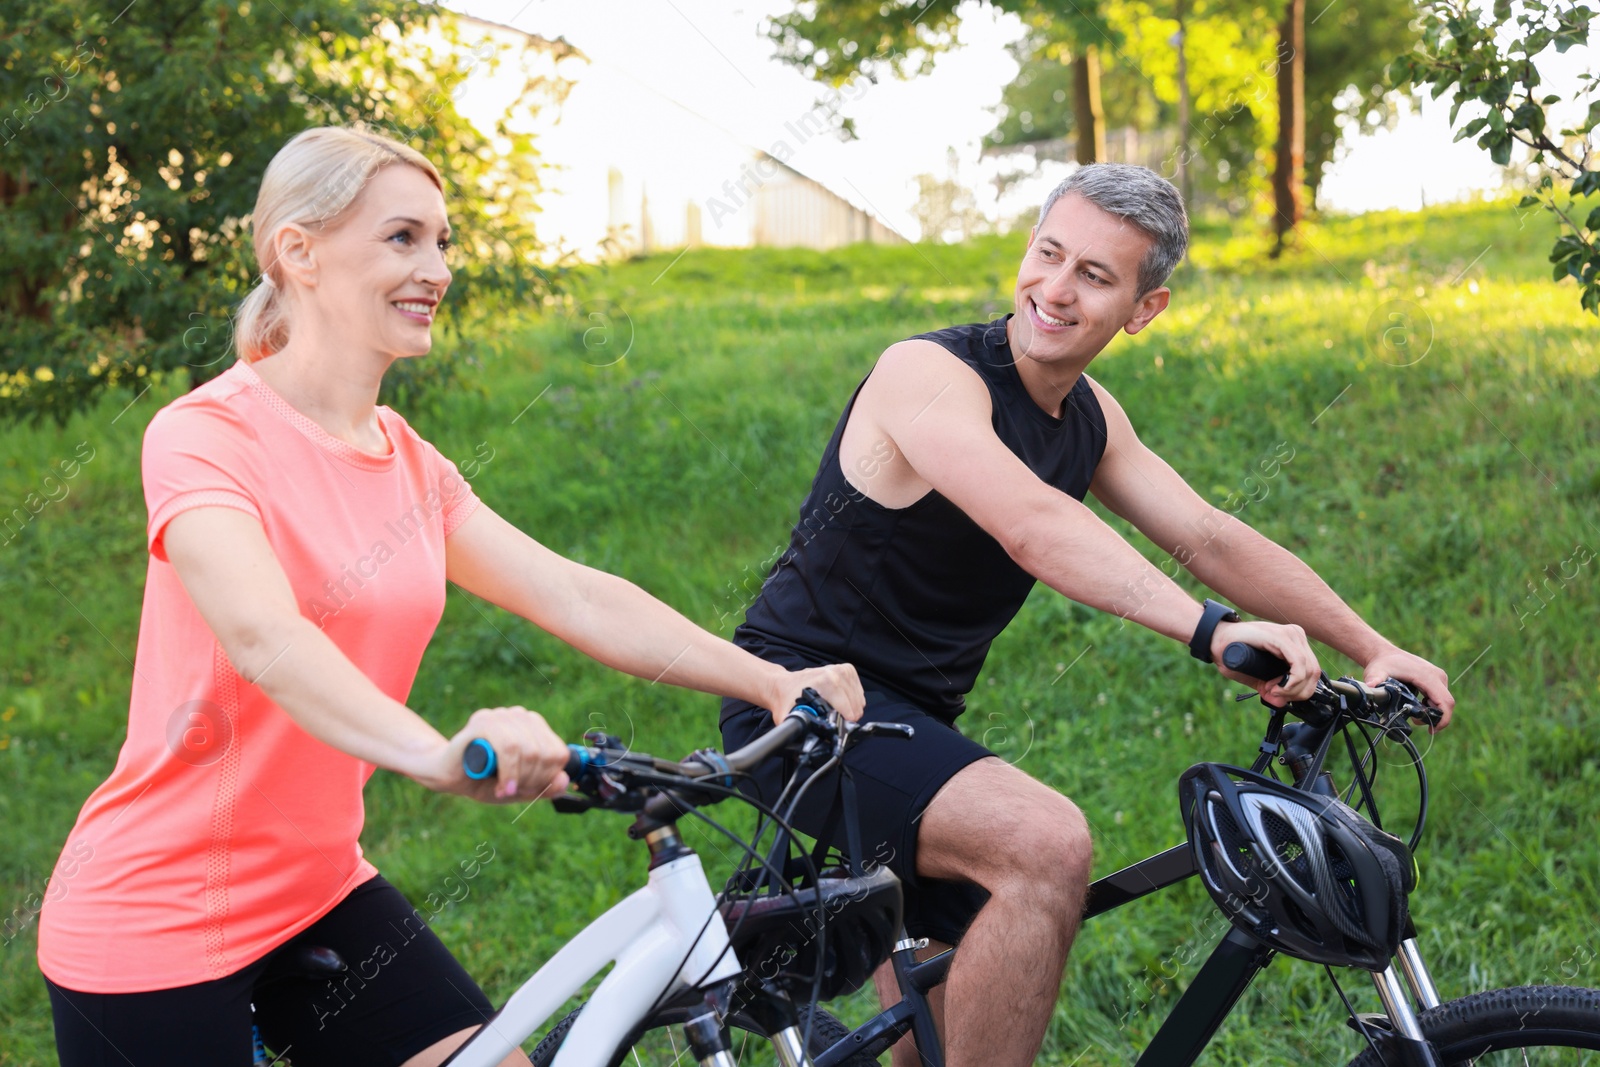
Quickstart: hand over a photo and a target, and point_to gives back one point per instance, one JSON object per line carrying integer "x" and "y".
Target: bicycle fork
{"x": 1405, "y": 1033}
{"x": 772, "y": 1011}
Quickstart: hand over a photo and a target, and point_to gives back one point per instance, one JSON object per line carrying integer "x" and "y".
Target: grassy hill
{"x": 1436, "y": 392}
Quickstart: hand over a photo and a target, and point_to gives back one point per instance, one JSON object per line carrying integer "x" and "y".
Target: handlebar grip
{"x": 1256, "y": 662}
{"x": 579, "y": 760}
{"x": 478, "y": 761}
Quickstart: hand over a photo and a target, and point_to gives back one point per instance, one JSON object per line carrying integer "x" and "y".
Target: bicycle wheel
{"x": 1555, "y": 1026}
{"x": 660, "y": 1041}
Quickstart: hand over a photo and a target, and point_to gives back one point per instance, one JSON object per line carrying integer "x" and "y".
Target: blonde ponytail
{"x": 312, "y": 181}
{"x": 260, "y": 327}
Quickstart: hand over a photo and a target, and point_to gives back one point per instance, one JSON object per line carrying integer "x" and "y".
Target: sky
{"x": 715, "y": 60}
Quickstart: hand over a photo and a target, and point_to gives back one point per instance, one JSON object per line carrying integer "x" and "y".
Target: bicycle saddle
{"x": 303, "y": 961}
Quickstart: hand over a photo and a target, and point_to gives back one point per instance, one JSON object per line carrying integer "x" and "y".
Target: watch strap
{"x": 1200, "y": 643}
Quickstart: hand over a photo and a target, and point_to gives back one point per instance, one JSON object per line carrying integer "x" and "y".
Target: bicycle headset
{"x": 1301, "y": 871}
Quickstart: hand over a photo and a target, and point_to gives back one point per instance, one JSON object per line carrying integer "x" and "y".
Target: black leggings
{"x": 403, "y": 992}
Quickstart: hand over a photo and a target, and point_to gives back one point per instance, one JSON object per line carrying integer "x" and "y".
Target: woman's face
{"x": 381, "y": 272}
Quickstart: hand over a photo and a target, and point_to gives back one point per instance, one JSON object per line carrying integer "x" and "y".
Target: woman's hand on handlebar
{"x": 530, "y": 760}
{"x": 837, "y": 683}
{"x": 1288, "y": 643}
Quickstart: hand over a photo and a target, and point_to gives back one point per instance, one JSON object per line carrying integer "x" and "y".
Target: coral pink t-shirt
{"x": 225, "y": 828}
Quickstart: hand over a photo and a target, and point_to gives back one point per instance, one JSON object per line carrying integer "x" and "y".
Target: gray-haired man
{"x": 954, "y": 480}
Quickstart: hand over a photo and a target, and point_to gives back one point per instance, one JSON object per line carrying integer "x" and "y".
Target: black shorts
{"x": 403, "y": 992}
{"x": 894, "y": 779}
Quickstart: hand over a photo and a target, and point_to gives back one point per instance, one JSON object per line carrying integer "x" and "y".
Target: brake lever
{"x": 888, "y": 729}
{"x": 1412, "y": 705}
{"x": 850, "y": 732}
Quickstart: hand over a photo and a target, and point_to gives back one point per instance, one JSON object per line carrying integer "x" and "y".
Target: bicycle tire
{"x": 659, "y": 1042}
{"x": 1562, "y": 1022}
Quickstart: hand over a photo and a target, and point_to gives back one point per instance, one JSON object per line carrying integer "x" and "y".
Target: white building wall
{"x": 633, "y": 171}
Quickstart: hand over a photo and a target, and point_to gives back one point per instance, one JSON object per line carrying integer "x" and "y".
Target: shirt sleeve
{"x": 195, "y": 457}
{"x": 457, "y": 500}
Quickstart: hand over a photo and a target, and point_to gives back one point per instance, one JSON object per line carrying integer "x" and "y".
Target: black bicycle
{"x": 1300, "y": 869}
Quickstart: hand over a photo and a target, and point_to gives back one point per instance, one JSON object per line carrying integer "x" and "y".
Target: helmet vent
{"x": 1234, "y": 843}
{"x": 1344, "y": 875}
{"x": 1298, "y": 916}
{"x": 1287, "y": 847}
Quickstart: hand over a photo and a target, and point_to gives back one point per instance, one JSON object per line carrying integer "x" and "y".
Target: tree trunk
{"x": 30, "y": 300}
{"x": 1087, "y": 116}
{"x": 1185, "y": 184}
{"x": 1288, "y": 172}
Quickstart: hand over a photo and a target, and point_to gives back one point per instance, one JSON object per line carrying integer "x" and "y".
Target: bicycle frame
{"x": 1216, "y": 988}
{"x": 1188, "y": 1028}
{"x": 664, "y": 937}
{"x": 1234, "y": 964}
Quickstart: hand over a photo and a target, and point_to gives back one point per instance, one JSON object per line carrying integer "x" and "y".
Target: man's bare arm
{"x": 1246, "y": 568}
{"x": 936, "y": 412}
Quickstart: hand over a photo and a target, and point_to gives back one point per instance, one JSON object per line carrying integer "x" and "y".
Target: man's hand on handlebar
{"x": 1430, "y": 682}
{"x": 1288, "y": 643}
{"x": 530, "y": 759}
{"x": 838, "y": 684}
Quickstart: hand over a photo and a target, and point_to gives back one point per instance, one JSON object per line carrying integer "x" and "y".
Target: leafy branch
{"x": 1488, "y": 58}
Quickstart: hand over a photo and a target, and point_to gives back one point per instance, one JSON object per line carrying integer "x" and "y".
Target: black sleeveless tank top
{"x": 914, "y": 596}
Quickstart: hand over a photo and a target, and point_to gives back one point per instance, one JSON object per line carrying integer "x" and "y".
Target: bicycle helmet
{"x": 776, "y": 934}
{"x": 1302, "y": 872}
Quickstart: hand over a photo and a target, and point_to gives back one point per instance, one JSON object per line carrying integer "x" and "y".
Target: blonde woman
{"x": 300, "y": 537}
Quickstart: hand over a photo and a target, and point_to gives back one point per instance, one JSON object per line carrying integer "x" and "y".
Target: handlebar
{"x": 479, "y": 761}
{"x": 1256, "y": 662}
{"x": 1335, "y": 703}
{"x": 1259, "y": 663}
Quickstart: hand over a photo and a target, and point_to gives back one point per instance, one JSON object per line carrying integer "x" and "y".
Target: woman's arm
{"x": 226, "y": 564}
{"x": 621, "y": 625}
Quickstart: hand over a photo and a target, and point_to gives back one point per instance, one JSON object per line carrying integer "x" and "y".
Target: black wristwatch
{"x": 1200, "y": 643}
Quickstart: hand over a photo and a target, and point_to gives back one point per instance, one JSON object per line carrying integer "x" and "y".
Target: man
{"x": 954, "y": 480}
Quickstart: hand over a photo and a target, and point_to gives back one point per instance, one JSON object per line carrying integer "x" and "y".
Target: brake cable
{"x": 751, "y": 854}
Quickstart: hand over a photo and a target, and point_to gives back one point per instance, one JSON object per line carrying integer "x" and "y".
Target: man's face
{"x": 1078, "y": 285}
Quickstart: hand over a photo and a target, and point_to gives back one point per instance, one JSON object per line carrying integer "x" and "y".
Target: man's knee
{"x": 1064, "y": 847}
{"x": 994, "y": 825}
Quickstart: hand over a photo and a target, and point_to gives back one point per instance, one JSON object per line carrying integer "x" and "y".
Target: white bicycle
{"x": 783, "y": 931}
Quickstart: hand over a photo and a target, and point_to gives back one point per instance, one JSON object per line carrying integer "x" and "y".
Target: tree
{"x": 1488, "y": 57}
{"x": 1087, "y": 113}
{"x": 129, "y": 170}
{"x": 1180, "y": 45}
{"x": 1211, "y": 52}
{"x": 945, "y": 207}
{"x": 1349, "y": 45}
{"x": 834, "y": 40}
{"x": 1289, "y": 161}
{"x": 1228, "y": 72}
{"x": 1035, "y": 109}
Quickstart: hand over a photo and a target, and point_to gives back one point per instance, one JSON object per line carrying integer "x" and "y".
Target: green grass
{"x": 1430, "y": 495}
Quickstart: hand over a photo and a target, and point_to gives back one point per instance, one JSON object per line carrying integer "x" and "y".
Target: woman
{"x": 300, "y": 537}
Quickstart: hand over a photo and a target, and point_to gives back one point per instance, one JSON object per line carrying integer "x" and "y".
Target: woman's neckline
{"x": 314, "y": 431}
